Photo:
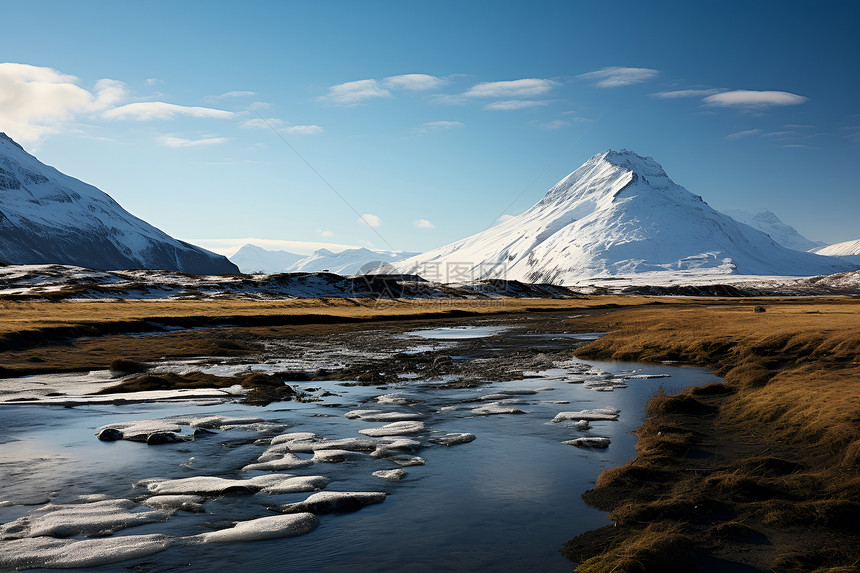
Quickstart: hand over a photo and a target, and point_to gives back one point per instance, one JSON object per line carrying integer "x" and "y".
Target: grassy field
{"x": 763, "y": 470}
{"x": 83, "y": 335}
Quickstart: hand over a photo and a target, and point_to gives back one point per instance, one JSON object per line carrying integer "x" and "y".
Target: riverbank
{"x": 761, "y": 473}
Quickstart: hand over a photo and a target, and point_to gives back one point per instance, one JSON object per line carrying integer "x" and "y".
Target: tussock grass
{"x": 783, "y": 431}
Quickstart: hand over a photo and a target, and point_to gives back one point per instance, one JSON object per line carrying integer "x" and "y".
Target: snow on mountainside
{"x": 348, "y": 262}
{"x": 49, "y": 217}
{"x": 767, "y": 222}
{"x": 847, "y": 251}
{"x": 619, "y": 214}
{"x": 253, "y": 259}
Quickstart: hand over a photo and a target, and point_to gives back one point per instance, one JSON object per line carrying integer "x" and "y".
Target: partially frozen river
{"x": 506, "y": 501}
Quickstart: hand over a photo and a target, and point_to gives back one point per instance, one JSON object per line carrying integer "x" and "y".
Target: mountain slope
{"x": 347, "y": 262}
{"x": 253, "y": 259}
{"x": 49, "y": 217}
{"x": 618, "y": 214}
{"x": 767, "y": 222}
{"x": 847, "y": 251}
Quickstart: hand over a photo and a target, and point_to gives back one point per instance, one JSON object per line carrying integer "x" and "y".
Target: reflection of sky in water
{"x": 506, "y": 501}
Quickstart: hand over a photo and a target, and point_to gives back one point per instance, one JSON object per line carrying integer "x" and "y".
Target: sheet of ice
{"x": 381, "y": 416}
{"x": 589, "y": 415}
{"x": 30, "y": 553}
{"x": 286, "y": 461}
{"x": 212, "y": 485}
{"x": 453, "y": 439}
{"x": 318, "y": 443}
{"x": 386, "y": 448}
{"x": 294, "y": 436}
{"x": 140, "y": 430}
{"x": 391, "y": 475}
{"x": 335, "y": 502}
{"x": 495, "y": 408}
{"x": 397, "y": 399}
{"x": 96, "y": 518}
{"x": 192, "y": 503}
{"x": 394, "y": 429}
{"x": 273, "y": 527}
{"x": 332, "y": 456}
{"x": 590, "y": 442}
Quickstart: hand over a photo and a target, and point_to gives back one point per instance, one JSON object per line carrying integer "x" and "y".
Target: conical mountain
{"x": 619, "y": 214}
{"x": 49, "y": 217}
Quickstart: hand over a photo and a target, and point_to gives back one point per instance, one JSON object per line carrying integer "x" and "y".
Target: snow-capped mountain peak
{"x": 617, "y": 214}
{"x": 49, "y": 217}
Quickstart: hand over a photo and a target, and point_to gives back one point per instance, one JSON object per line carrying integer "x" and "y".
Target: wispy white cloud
{"x": 744, "y": 133}
{"x": 515, "y": 104}
{"x": 354, "y": 93}
{"x": 513, "y": 89}
{"x": 686, "y": 93}
{"x": 260, "y": 123}
{"x": 154, "y": 82}
{"x": 616, "y": 76}
{"x": 325, "y": 233}
{"x": 414, "y": 82}
{"x": 303, "y": 129}
{"x": 173, "y": 141}
{"x": 423, "y": 224}
{"x": 504, "y": 218}
{"x": 237, "y": 93}
{"x": 149, "y": 110}
{"x": 370, "y": 220}
{"x": 754, "y": 99}
{"x": 280, "y": 125}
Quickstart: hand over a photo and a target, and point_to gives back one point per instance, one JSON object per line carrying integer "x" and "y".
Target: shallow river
{"x": 506, "y": 501}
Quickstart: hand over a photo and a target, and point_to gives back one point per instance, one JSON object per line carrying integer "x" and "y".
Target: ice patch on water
{"x": 212, "y": 485}
{"x": 591, "y": 442}
{"x": 61, "y": 553}
{"x": 453, "y": 439}
{"x": 595, "y": 414}
{"x": 192, "y": 503}
{"x": 96, "y": 518}
{"x": 394, "y": 429}
{"x": 495, "y": 408}
{"x": 273, "y": 527}
{"x": 381, "y": 416}
{"x": 391, "y": 475}
{"x": 336, "y": 501}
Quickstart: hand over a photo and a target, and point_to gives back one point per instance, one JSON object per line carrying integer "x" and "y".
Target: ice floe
{"x": 273, "y": 527}
{"x": 453, "y": 439}
{"x": 212, "y": 485}
{"x": 394, "y": 429}
{"x": 98, "y": 518}
{"x": 494, "y": 408}
{"x": 335, "y": 502}
{"x": 381, "y": 416}
{"x": 386, "y": 448}
{"x": 31, "y": 553}
{"x": 591, "y": 442}
{"x": 192, "y": 503}
{"x": 285, "y": 461}
{"x": 391, "y": 475}
{"x": 588, "y": 415}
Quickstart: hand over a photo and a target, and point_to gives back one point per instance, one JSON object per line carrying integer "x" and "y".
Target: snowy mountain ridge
{"x": 767, "y": 222}
{"x": 618, "y": 214}
{"x": 49, "y": 217}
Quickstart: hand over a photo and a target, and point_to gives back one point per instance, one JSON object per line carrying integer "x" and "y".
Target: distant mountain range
{"x": 618, "y": 215}
{"x": 253, "y": 259}
{"x": 767, "y": 222}
{"x": 49, "y": 217}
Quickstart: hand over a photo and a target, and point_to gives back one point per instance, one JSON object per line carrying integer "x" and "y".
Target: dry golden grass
{"x": 786, "y": 425}
{"x": 17, "y": 317}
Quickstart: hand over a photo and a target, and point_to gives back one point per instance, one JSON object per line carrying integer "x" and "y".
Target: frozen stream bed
{"x": 454, "y": 479}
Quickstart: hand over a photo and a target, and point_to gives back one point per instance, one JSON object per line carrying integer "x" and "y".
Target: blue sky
{"x": 431, "y": 118}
